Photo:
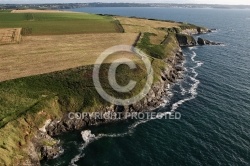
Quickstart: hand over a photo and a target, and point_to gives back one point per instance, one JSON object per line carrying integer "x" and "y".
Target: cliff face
{"x": 185, "y": 40}
{"x": 185, "y": 37}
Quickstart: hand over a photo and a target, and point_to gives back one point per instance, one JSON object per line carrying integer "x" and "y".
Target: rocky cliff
{"x": 153, "y": 100}
{"x": 172, "y": 72}
{"x": 185, "y": 40}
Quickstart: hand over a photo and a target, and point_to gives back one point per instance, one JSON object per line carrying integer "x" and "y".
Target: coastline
{"x": 214, "y": 81}
{"x": 39, "y": 142}
{"x": 153, "y": 100}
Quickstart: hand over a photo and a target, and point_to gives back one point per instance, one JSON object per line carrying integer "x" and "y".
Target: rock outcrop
{"x": 201, "y": 42}
{"x": 185, "y": 40}
{"x": 194, "y": 31}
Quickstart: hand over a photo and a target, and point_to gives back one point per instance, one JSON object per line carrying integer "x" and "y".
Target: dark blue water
{"x": 213, "y": 98}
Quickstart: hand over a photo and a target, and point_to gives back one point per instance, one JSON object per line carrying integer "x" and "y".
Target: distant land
{"x": 80, "y": 5}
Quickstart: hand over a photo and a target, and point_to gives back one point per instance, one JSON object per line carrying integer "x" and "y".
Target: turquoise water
{"x": 213, "y": 98}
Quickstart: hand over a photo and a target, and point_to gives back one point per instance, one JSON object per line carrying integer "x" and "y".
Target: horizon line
{"x": 126, "y": 3}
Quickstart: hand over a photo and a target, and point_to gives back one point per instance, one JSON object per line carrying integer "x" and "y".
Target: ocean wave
{"x": 192, "y": 91}
{"x": 193, "y": 56}
{"x": 183, "y": 90}
{"x": 75, "y": 159}
{"x": 193, "y": 88}
{"x": 95, "y": 138}
{"x": 192, "y": 48}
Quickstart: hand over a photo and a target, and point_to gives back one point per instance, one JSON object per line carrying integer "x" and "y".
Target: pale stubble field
{"x": 44, "y": 54}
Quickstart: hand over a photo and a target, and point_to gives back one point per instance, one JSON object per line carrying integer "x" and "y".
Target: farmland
{"x": 54, "y": 40}
{"x": 63, "y": 41}
{"x": 44, "y": 54}
{"x": 58, "y": 48}
{"x": 58, "y": 23}
{"x": 144, "y": 25}
{"x": 50, "y": 71}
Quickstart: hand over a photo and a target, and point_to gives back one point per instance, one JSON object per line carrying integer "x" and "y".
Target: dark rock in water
{"x": 202, "y": 42}
{"x": 211, "y": 30}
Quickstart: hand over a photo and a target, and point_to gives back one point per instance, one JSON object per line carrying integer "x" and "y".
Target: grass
{"x": 59, "y": 23}
{"x": 5, "y": 11}
{"x": 144, "y": 25}
{"x": 15, "y": 136}
{"x": 171, "y": 44}
{"x": 159, "y": 51}
{"x": 156, "y": 51}
{"x": 27, "y": 102}
{"x": 185, "y": 26}
{"x": 74, "y": 88}
{"x": 158, "y": 37}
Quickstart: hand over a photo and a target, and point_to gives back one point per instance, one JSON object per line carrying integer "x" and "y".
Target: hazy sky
{"x": 235, "y": 2}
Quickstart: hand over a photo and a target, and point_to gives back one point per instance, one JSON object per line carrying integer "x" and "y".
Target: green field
{"x": 74, "y": 88}
{"x": 59, "y": 23}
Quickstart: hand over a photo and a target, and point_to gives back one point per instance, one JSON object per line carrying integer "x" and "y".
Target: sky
{"x": 229, "y": 2}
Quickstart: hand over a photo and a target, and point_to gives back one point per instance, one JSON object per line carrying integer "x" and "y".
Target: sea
{"x": 213, "y": 99}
